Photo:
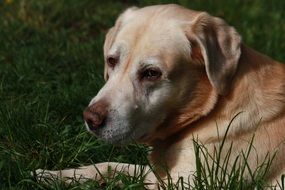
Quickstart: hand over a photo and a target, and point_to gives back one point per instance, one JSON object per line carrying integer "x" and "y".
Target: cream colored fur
{"x": 208, "y": 77}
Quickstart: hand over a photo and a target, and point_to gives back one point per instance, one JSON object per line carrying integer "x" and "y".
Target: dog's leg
{"x": 98, "y": 172}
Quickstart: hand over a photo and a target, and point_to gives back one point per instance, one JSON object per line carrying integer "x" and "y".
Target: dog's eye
{"x": 112, "y": 61}
{"x": 151, "y": 74}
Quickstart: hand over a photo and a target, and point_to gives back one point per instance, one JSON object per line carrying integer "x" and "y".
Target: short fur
{"x": 207, "y": 77}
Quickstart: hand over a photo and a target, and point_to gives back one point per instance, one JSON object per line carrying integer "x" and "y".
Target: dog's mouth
{"x": 113, "y": 135}
{"x": 120, "y": 131}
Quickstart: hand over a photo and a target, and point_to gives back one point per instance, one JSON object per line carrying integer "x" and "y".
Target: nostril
{"x": 93, "y": 120}
{"x": 91, "y": 125}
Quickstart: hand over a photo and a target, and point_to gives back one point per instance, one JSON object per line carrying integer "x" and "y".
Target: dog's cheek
{"x": 158, "y": 98}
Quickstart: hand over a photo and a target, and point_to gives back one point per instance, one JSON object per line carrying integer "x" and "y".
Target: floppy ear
{"x": 111, "y": 35}
{"x": 218, "y": 45}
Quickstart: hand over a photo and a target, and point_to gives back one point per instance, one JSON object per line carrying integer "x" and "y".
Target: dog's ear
{"x": 109, "y": 40}
{"x": 217, "y": 44}
{"x": 112, "y": 33}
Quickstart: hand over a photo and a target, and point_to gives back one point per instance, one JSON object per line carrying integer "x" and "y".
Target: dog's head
{"x": 164, "y": 68}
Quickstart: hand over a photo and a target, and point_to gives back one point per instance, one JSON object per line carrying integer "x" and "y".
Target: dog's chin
{"x": 117, "y": 140}
{"x": 115, "y": 137}
{"x": 120, "y": 134}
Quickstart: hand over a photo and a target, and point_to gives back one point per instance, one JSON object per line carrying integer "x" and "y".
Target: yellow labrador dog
{"x": 174, "y": 75}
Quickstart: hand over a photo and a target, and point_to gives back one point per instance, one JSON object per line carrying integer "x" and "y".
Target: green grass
{"x": 51, "y": 65}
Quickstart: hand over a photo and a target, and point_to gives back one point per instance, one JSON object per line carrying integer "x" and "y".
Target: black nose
{"x": 95, "y": 115}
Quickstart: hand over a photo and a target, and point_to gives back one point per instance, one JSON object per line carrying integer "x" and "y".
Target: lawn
{"x": 51, "y": 65}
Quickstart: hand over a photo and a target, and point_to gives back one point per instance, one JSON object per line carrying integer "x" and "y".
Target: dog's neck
{"x": 257, "y": 95}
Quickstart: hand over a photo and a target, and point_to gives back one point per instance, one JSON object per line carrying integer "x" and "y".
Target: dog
{"x": 174, "y": 75}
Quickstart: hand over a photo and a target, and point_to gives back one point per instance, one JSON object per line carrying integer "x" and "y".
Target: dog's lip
{"x": 120, "y": 139}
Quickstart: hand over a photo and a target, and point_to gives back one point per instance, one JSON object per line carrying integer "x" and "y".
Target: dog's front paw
{"x": 46, "y": 176}
{"x": 68, "y": 176}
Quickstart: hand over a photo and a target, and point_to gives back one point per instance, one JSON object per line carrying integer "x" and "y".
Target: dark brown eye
{"x": 151, "y": 74}
{"x": 112, "y": 61}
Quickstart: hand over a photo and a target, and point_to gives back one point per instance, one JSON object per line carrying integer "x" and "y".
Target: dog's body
{"x": 174, "y": 75}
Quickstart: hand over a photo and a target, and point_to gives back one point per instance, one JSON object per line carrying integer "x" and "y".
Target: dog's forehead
{"x": 169, "y": 11}
{"x": 147, "y": 34}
